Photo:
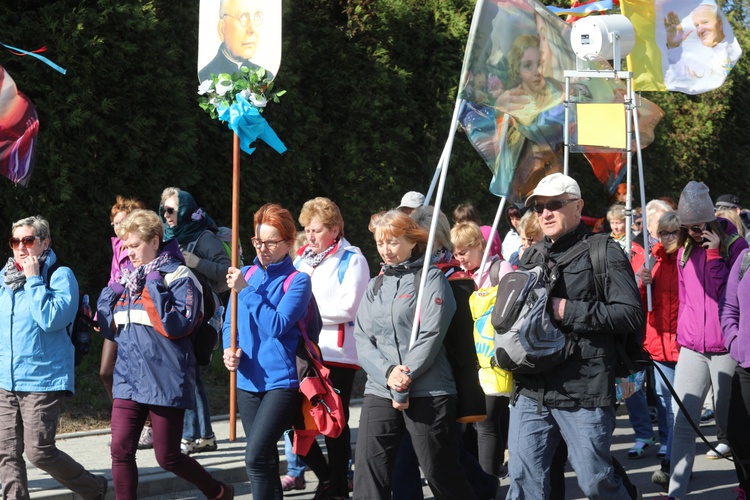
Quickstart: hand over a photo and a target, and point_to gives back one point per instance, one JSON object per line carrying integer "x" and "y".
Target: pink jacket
{"x": 702, "y": 280}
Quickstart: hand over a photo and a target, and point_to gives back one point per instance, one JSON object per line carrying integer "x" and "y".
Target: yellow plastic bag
{"x": 494, "y": 381}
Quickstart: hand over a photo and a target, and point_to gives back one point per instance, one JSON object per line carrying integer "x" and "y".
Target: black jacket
{"x": 586, "y": 379}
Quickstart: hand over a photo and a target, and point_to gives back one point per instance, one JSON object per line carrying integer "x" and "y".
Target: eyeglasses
{"x": 669, "y": 234}
{"x": 27, "y": 241}
{"x": 694, "y": 229}
{"x": 552, "y": 206}
{"x": 245, "y": 18}
{"x": 270, "y": 244}
{"x": 168, "y": 211}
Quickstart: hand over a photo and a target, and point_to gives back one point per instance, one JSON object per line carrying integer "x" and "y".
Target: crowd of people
{"x": 409, "y": 328}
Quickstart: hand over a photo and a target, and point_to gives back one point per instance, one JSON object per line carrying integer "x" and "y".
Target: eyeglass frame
{"x": 26, "y": 241}
{"x": 547, "y": 206}
{"x": 670, "y": 234}
{"x": 257, "y": 18}
{"x": 270, "y": 244}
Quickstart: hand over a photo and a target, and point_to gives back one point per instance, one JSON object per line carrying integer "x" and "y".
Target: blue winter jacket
{"x": 267, "y": 327}
{"x": 36, "y": 354}
{"x": 155, "y": 360}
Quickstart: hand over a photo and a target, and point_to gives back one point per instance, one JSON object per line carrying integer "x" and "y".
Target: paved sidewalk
{"x": 712, "y": 480}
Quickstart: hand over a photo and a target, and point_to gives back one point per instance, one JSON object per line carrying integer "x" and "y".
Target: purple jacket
{"x": 702, "y": 282}
{"x": 736, "y": 304}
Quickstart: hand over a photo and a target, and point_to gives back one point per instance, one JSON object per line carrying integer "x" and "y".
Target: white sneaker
{"x": 205, "y": 444}
{"x": 187, "y": 446}
{"x": 722, "y": 451}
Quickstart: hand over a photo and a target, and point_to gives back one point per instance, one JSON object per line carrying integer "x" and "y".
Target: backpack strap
{"x": 344, "y": 264}
{"x": 744, "y": 265}
{"x": 598, "y": 253}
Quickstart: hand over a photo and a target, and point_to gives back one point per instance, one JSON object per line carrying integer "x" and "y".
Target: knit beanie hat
{"x": 695, "y": 205}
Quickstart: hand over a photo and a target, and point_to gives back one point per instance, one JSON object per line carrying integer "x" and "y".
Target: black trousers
{"x": 431, "y": 423}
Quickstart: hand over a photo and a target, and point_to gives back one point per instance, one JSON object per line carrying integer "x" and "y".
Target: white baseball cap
{"x": 412, "y": 199}
{"x": 555, "y": 185}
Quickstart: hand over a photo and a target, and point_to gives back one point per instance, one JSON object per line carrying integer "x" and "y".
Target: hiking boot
{"x": 722, "y": 451}
{"x": 187, "y": 446}
{"x": 146, "y": 440}
{"x": 205, "y": 444}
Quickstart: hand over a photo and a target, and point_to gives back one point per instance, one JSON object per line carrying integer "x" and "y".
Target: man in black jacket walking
{"x": 574, "y": 401}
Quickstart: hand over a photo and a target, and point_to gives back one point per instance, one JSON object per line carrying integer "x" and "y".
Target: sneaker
{"x": 722, "y": 451}
{"x": 661, "y": 476}
{"x": 147, "y": 438}
{"x": 707, "y": 417}
{"x": 662, "y": 453}
{"x": 187, "y": 446}
{"x": 289, "y": 483}
{"x": 205, "y": 444}
{"x": 103, "y": 487}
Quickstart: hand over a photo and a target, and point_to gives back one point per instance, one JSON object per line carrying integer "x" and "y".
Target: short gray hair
{"x": 39, "y": 223}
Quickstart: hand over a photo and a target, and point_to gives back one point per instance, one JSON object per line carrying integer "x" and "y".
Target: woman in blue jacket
{"x": 151, "y": 312}
{"x": 268, "y": 394}
{"x": 36, "y": 363}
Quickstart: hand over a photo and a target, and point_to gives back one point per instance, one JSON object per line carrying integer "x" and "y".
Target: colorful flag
{"x": 19, "y": 127}
{"x": 681, "y": 45}
{"x": 579, "y": 9}
{"x": 513, "y": 70}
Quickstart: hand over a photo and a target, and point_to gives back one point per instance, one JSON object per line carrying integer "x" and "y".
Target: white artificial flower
{"x": 258, "y": 100}
{"x": 205, "y": 86}
{"x": 222, "y": 87}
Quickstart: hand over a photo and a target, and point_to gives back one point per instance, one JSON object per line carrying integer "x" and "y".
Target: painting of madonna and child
{"x": 514, "y": 70}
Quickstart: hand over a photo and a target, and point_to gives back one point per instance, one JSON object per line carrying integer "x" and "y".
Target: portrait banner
{"x": 239, "y": 33}
{"x": 681, "y": 45}
{"x": 513, "y": 70}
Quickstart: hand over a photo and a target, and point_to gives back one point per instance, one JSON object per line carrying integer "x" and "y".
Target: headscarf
{"x": 135, "y": 279}
{"x": 192, "y": 221}
{"x": 312, "y": 259}
{"x": 15, "y": 277}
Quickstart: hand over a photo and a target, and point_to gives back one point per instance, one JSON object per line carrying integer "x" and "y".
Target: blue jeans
{"x": 265, "y": 417}
{"x": 533, "y": 440}
{"x": 640, "y": 418}
{"x": 197, "y": 423}
{"x": 295, "y": 467}
{"x": 665, "y": 398}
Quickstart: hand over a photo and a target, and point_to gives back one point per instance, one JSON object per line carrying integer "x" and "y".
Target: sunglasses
{"x": 694, "y": 229}
{"x": 27, "y": 241}
{"x": 168, "y": 211}
{"x": 669, "y": 234}
{"x": 552, "y": 206}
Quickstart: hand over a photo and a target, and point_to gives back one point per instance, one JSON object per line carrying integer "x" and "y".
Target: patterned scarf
{"x": 312, "y": 259}
{"x": 14, "y": 278}
{"x": 135, "y": 279}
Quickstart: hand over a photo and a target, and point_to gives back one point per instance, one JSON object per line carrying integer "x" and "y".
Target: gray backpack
{"x": 527, "y": 338}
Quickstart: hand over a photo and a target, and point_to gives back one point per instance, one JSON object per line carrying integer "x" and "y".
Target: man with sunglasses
{"x": 239, "y": 32}
{"x": 573, "y": 403}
